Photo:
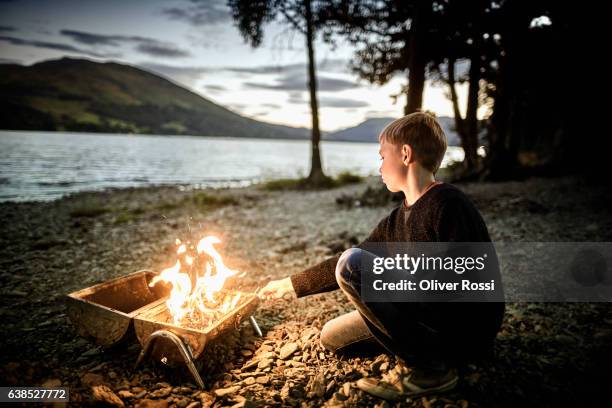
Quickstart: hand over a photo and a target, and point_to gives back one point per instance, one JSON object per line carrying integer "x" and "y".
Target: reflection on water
{"x": 48, "y": 165}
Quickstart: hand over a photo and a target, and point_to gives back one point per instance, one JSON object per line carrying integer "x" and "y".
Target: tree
{"x": 463, "y": 37}
{"x": 420, "y": 37}
{"x": 521, "y": 65}
{"x": 300, "y": 15}
{"x": 391, "y": 36}
{"x": 514, "y": 87}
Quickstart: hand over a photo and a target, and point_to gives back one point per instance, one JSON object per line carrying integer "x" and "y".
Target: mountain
{"x": 369, "y": 130}
{"x": 81, "y": 95}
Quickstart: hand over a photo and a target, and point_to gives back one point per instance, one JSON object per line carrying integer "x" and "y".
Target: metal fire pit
{"x": 105, "y": 312}
{"x": 113, "y": 311}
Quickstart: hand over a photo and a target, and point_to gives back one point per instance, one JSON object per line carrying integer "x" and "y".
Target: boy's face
{"x": 393, "y": 169}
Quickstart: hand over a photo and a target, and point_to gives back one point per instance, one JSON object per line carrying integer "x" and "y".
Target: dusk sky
{"x": 195, "y": 44}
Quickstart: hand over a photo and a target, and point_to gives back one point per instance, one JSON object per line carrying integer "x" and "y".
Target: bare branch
{"x": 291, "y": 19}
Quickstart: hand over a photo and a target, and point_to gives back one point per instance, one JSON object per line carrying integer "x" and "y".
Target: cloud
{"x": 379, "y": 113}
{"x": 161, "y": 50}
{"x": 291, "y": 81}
{"x": 193, "y": 72}
{"x": 334, "y": 65}
{"x": 53, "y": 46}
{"x": 237, "y": 106}
{"x": 185, "y": 75}
{"x": 257, "y": 85}
{"x": 325, "y": 84}
{"x": 294, "y": 75}
{"x": 297, "y": 98}
{"x": 145, "y": 45}
{"x": 214, "y": 88}
{"x": 261, "y": 70}
{"x": 330, "y": 65}
{"x": 93, "y": 39}
{"x": 10, "y": 61}
{"x": 299, "y": 83}
{"x": 329, "y": 102}
{"x": 270, "y": 105}
{"x": 6, "y": 28}
{"x": 201, "y": 12}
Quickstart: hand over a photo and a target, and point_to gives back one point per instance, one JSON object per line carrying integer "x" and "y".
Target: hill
{"x": 369, "y": 130}
{"x": 81, "y": 95}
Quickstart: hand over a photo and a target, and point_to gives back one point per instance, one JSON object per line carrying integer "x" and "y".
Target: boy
{"x": 434, "y": 337}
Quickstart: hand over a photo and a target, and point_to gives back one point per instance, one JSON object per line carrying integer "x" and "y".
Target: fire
{"x": 203, "y": 300}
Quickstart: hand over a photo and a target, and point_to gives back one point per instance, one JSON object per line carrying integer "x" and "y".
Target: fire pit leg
{"x": 255, "y": 326}
{"x": 179, "y": 345}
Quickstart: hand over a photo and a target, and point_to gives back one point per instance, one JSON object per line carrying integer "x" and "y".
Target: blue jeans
{"x": 396, "y": 327}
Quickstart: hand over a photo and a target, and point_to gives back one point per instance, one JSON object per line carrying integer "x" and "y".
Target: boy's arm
{"x": 316, "y": 279}
{"x": 322, "y": 277}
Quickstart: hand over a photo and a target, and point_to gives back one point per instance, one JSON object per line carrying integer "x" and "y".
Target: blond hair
{"x": 422, "y": 132}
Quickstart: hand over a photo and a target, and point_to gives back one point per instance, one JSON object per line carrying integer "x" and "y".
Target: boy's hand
{"x": 277, "y": 289}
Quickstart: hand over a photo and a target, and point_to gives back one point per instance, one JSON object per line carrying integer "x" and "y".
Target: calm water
{"x": 48, "y": 165}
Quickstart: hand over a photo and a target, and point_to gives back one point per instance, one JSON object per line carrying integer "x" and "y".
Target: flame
{"x": 203, "y": 300}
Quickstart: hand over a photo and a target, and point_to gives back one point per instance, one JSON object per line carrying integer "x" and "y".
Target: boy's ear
{"x": 406, "y": 154}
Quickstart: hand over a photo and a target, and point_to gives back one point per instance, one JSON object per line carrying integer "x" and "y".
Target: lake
{"x": 43, "y": 166}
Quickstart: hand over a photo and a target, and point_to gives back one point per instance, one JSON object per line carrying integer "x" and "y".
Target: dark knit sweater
{"x": 464, "y": 330}
{"x": 442, "y": 214}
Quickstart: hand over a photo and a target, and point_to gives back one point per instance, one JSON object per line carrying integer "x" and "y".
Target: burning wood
{"x": 197, "y": 279}
{"x": 202, "y": 321}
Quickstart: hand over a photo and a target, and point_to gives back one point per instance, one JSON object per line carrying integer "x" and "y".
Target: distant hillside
{"x": 369, "y": 130}
{"x": 82, "y": 95}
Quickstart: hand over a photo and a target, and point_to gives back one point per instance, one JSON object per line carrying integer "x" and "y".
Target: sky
{"x": 195, "y": 44}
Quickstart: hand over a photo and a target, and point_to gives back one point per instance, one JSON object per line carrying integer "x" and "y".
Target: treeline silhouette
{"x": 519, "y": 59}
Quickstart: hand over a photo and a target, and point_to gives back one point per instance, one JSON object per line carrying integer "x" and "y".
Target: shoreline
{"x": 306, "y": 139}
{"x": 182, "y": 187}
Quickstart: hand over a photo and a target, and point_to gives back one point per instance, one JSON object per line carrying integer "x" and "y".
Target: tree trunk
{"x": 459, "y": 123}
{"x": 502, "y": 162}
{"x": 316, "y": 169}
{"x": 471, "y": 115}
{"x": 416, "y": 83}
{"x": 416, "y": 63}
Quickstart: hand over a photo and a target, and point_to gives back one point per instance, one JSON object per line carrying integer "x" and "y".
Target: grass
{"x": 202, "y": 201}
{"x": 87, "y": 117}
{"x": 282, "y": 184}
{"x": 131, "y": 214}
{"x": 346, "y": 177}
{"x": 175, "y": 127}
{"x": 205, "y": 201}
{"x": 89, "y": 211}
{"x": 166, "y": 206}
{"x": 121, "y": 124}
{"x": 57, "y": 106}
{"x": 342, "y": 179}
{"x": 124, "y": 218}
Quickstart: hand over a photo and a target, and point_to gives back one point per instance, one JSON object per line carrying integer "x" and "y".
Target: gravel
{"x": 546, "y": 354}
